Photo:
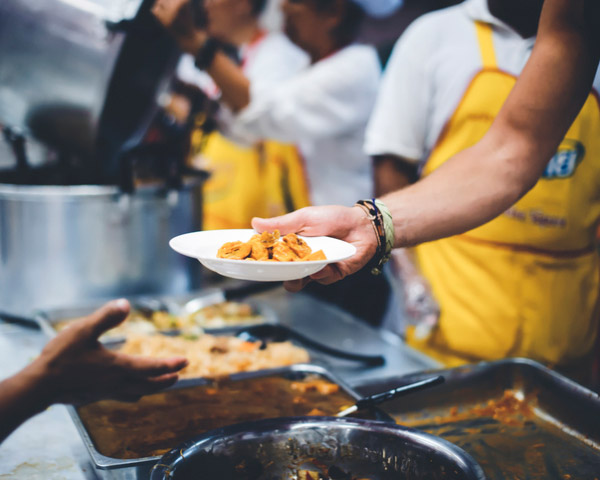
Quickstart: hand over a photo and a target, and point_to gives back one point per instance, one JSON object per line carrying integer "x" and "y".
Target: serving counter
{"x": 49, "y": 446}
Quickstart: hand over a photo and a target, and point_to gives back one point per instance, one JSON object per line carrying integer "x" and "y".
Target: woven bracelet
{"x": 381, "y": 219}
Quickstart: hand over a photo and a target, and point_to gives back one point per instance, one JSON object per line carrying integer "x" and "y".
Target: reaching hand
{"x": 177, "y": 16}
{"x": 346, "y": 223}
{"x": 75, "y": 367}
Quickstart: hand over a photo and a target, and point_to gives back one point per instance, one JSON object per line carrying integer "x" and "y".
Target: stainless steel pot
{"x": 339, "y": 448}
{"x": 64, "y": 245}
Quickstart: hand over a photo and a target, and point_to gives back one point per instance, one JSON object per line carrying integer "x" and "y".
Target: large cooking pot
{"x": 338, "y": 448}
{"x": 83, "y": 78}
{"x": 64, "y": 245}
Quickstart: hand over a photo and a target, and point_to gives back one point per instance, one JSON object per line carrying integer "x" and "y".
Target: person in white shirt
{"x": 323, "y": 110}
{"x": 444, "y": 85}
{"x": 482, "y": 181}
{"x": 249, "y": 177}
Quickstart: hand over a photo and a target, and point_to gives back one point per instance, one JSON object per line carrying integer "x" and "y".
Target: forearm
{"x": 481, "y": 182}
{"x": 470, "y": 189}
{"x": 21, "y": 397}
{"x": 234, "y": 85}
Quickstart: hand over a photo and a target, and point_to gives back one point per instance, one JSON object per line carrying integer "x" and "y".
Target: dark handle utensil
{"x": 378, "y": 398}
{"x": 282, "y": 333}
{"x": 18, "y": 320}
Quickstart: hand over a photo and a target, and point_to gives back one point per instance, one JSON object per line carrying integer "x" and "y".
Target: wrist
{"x": 383, "y": 229}
{"x": 205, "y": 55}
{"x": 39, "y": 382}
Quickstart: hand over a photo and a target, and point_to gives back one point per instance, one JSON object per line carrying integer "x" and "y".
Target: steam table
{"x": 48, "y": 447}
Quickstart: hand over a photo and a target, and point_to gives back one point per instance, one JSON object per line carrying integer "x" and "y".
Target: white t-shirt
{"x": 266, "y": 63}
{"x": 323, "y": 110}
{"x": 426, "y": 77}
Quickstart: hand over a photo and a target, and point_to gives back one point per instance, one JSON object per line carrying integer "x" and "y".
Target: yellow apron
{"x": 264, "y": 180}
{"x": 526, "y": 283}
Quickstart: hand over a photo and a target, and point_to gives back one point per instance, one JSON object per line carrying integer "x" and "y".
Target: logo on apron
{"x": 565, "y": 161}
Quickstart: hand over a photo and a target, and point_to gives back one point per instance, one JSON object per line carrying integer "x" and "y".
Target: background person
{"x": 506, "y": 288}
{"x": 74, "y": 367}
{"x": 323, "y": 110}
{"x": 248, "y": 177}
{"x": 482, "y": 181}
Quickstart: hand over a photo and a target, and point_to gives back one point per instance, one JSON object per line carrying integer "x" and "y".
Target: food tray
{"x": 551, "y": 432}
{"x": 139, "y": 468}
{"x": 48, "y": 319}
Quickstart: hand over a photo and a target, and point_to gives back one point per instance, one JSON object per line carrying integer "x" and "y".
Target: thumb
{"x": 290, "y": 223}
{"x": 107, "y": 317}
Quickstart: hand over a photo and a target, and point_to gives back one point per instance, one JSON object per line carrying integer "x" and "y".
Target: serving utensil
{"x": 378, "y": 398}
{"x": 26, "y": 322}
{"x": 266, "y": 333}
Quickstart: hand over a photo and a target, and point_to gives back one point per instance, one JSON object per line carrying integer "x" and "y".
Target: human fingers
{"x": 289, "y": 223}
{"x": 106, "y": 317}
{"x": 296, "y": 285}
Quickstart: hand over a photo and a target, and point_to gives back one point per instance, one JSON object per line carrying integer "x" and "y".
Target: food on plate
{"x": 158, "y": 422}
{"x": 213, "y": 356}
{"x": 268, "y": 247}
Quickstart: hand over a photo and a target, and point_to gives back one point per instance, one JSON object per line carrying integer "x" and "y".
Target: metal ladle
{"x": 378, "y": 398}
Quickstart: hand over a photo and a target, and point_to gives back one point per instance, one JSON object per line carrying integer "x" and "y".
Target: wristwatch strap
{"x": 206, "y": 55}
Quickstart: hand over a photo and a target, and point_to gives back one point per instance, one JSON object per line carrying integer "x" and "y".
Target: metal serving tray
{"x": 48, "y": 319}
{"x": 139, "y": 468}
{"x": 552, "y": 433}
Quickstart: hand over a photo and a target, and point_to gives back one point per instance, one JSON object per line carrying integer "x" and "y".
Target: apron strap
{"x": 486, "y": 44}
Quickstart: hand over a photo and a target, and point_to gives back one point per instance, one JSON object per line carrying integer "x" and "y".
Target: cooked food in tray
{"x": 219, "y": 315}
{"x": 269, "y": 247}
{"x": 225, "y": 314}
{"x": 214, "y": 356}
{"x": 158, "y": 422}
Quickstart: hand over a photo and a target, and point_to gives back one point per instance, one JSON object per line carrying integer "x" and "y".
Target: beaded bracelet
{"x": 381, "y": 219}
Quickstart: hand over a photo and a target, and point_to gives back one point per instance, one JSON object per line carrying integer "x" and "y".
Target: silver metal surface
{"x": 553, "y": 433}
{"x": 280, "y": 448}
{"x": 48, "y": 319}
{"x": 49, "y": 446}
{"x": 65, "y": 245}
{"x": 119, "y": 469}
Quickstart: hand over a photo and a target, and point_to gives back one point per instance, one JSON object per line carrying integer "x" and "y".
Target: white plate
{"x": 204, "y": 247}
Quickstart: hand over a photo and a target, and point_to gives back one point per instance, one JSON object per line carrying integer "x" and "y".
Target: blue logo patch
{"x": 565, "y": 161}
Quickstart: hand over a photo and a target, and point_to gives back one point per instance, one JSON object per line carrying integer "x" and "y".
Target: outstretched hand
{"x": 75, "y": 367}
{"x": 345, "y": 223}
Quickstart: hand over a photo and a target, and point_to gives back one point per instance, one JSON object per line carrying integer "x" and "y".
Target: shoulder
{"x": 276, "y": 43}
{"x": 358, "y": 57}
{"x": 434, "y": 27}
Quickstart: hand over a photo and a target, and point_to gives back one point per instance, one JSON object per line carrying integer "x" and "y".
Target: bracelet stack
{"x": 381, "y": 219}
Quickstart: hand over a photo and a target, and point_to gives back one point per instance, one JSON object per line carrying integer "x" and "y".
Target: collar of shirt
{"x": 479, "y": 11}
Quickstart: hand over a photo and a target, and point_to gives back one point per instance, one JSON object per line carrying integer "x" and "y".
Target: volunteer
{"x": 504, "y": 289}
{"x": 323, "y": 109}
{"x": 248, "y": 178}
{"x": 75, "y": 368}
{"x": 482, "y": 181}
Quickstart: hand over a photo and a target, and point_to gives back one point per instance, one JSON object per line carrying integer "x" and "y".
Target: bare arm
{"x": 481, "y": 182}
